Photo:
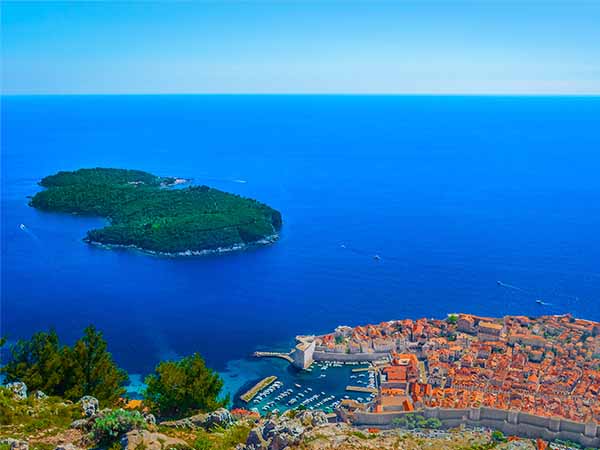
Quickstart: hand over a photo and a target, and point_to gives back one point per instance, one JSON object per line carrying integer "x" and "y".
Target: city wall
{"x": 349, "y": 357}
{"x": 509, "y": 422}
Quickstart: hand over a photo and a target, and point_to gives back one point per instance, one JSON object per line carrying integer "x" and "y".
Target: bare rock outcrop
{"x": 219, "y": 418}
{"x": 89, "y": 405}
{"x": 19, "y": 389}
{"x": 15, "y": 444}
{"x": 280, "y": 432}
{"x": 148, "y": 440}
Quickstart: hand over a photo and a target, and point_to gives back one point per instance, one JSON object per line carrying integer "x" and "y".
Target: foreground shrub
{"x": 202, "y": 442}
{"x": 178, "y": 388}
{"x": 33, "y": 415}
{"x": 117, "y": 422}
{"x": 222, "y": 439}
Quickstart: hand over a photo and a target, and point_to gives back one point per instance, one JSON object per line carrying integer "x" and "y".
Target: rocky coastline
{"x": 268, "y": 240}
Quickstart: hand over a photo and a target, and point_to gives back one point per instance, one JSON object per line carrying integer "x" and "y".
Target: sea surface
{"x": 453, "y": 194}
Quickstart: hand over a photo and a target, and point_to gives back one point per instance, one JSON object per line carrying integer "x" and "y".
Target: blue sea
{"x": 453, "y": 194}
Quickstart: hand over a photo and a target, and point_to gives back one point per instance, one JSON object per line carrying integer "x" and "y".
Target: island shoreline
{"x": 264, "y": 242}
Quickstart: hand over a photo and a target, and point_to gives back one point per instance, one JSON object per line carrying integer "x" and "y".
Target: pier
{"x": 286, "y": 356}
{"x": 361, "y": 389}
{"x": 249, "y": 395}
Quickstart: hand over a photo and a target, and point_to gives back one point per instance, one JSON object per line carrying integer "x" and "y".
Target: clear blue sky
{"x": 310, "y": 46}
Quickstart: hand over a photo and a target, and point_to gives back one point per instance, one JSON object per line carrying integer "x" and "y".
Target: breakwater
{"x": 281, "y": 355}
{"x": 250, "y": 394}
{"x": 509, "y": 422}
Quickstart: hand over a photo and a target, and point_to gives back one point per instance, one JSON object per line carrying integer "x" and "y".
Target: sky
{"x": 295, "y": 47}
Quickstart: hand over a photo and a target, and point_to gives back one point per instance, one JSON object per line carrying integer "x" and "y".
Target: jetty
{"x": 250, "y": 394}
{"x": 363, "y": 369}
{"x": 361, "y": 389}
{"x": 286, "y": 356}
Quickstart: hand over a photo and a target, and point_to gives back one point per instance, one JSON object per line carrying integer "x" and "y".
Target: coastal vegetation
{"x": 178, "y": 388}
{"x": 86, "y": 368}
{"x": 33, "y": 415}
{"x": 56, "y": 392}
{"x": 147, "y": 212}
{"x": 175, "y": 389}
{"x": 117, "y": 422}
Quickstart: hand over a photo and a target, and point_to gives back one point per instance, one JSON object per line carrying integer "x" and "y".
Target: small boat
{"x": 376, "y": 257}
{"x": 297, "y": 385}
{"x": 539, "y": 302}
{"x": 22, "y": 227}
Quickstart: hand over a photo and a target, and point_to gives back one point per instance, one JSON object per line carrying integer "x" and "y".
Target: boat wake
{"x": 510, "y": 286}
{"x": 224, "y": 179}
{"x": 359, "y": 252}
{"x": 25, "y": 229}
{"x": 568, "y": 298}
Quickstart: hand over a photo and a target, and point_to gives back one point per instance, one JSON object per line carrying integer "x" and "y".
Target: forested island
{"x": 145, "y": 211}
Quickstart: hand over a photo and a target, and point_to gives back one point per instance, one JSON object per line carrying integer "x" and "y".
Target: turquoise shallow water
{"x": 454, "y": 193}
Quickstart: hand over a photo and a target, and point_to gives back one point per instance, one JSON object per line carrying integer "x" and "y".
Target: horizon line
{"x": 301, "y": 94}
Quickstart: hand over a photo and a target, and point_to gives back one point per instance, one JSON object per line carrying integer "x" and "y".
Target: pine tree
{"x": 178, "y": 388}
{"x": 38, "y": 363}
{"x": 91, "y": 369}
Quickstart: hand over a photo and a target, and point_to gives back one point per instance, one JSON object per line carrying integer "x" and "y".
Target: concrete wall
{"x": 509, "y": 422}
{"x": 347, "y": 357}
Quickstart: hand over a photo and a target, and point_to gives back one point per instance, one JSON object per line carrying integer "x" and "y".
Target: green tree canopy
{"x": 92, "y": 370}
{"x": 38, "y": 363}
{"x": 87, "y": 368}
{"x": 178, "y": 388}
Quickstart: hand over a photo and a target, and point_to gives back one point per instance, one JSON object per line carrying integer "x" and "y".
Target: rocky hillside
{"x": 311, "y": 430}
{"x": 36, "y": 421}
